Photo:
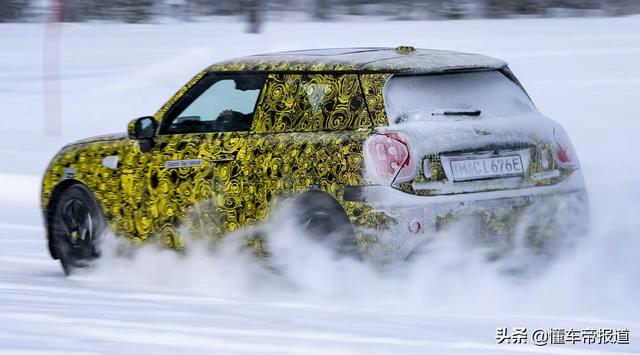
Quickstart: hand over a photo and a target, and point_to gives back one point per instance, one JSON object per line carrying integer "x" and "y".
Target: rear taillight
{"x": 565, "y": 154}
{"x": 388, "y": 157}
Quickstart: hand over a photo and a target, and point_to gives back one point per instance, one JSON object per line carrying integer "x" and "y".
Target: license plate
{"x": 486, "y": 168}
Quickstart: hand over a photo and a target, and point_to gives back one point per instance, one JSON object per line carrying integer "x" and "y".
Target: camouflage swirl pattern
{"x": 311, "y": 120}
{"x": 239, "y": 176}
{"x": 334, "y": 102}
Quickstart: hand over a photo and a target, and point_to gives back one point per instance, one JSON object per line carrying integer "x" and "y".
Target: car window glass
{"x": 427, "y": 97}
{"x": 216, "y": 104}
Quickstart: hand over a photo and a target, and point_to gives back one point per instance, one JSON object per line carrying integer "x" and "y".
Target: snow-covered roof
{"x": 397, "y": 60}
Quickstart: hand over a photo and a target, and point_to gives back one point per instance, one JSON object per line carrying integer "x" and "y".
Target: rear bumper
{"x": 413, "y": 220}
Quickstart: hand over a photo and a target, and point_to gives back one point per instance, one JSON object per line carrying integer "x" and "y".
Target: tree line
{"x": 256, "y": 11}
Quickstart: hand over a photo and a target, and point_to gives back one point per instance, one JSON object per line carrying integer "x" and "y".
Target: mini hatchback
{"x": 377, "y": 149}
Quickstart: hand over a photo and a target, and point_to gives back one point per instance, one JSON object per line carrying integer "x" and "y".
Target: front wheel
{"x": 77, "y": 226}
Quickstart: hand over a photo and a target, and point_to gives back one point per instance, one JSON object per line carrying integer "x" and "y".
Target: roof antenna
{"x": 405, "y": 50}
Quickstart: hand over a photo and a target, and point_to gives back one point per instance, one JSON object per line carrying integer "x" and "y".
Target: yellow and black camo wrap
{"x": 373, "y": 86}
{"x": 295, "y": 145}
{"x": 309, "y": 127}
{"x": 311, "y": 103}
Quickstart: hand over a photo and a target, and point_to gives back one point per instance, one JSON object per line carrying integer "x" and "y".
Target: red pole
{"x": 52, "y": 104}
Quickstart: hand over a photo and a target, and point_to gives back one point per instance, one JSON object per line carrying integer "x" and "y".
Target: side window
{"x": 311, "y": 102}
{"x": 217, "y": 103}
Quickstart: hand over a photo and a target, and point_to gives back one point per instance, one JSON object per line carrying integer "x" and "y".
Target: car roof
{"x": 401, "y": 59}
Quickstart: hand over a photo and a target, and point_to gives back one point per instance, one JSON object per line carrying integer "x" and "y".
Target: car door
{"x": 194, "y": 181}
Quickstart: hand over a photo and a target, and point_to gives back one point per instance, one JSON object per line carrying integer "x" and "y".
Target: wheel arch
{"x": 342, "y": 237}
{"x": 313, "y": 194}
{"x": 317, "y": 196}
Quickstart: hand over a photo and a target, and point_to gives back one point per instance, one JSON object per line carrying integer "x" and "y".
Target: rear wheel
{"x": 76, "y": 226}
{"x": 324, "y": 220}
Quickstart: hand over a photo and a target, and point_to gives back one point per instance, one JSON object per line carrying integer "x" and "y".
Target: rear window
{"x": 424, "y": 97}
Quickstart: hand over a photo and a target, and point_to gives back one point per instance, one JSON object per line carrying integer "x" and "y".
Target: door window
{"x": 217, "y": 103}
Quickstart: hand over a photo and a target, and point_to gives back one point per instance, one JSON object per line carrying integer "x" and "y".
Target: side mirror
{"x": 143, "y": 129}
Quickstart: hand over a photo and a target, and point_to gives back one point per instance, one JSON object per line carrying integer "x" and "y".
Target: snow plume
{"x": 452, "y": 273}
{"x": 297, "y": 264}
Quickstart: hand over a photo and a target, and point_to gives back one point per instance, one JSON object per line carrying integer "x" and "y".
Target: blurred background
{"x": 257, "y": 11}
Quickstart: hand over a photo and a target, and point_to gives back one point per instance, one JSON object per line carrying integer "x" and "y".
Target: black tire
{"x": 324, "y": 220}
{"x": 77, "y": 224}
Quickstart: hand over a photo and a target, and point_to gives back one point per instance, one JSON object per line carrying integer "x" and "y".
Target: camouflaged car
{"x": 385, "y": 145}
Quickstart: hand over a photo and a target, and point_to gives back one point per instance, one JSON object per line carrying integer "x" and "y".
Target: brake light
{"x": 562, "y": 154}
{"x": 388, "y": 157}
{"x": 565, "y": 154}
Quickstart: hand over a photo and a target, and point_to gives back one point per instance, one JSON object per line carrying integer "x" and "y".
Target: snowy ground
{"x": 582, "y": 72}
